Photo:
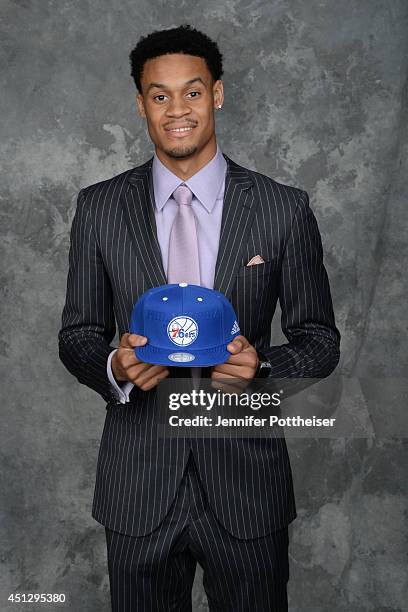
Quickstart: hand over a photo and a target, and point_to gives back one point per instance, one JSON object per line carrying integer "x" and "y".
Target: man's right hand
{"x": 127, "y": 367}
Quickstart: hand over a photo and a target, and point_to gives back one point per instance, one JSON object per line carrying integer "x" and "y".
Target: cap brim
{"x": 181, "y": 357}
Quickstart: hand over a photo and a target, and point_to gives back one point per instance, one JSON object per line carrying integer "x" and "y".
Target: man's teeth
{"x": 187, "y": 129}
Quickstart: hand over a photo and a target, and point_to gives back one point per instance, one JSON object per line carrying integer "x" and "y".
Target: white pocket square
{"x": 255, "y": 261}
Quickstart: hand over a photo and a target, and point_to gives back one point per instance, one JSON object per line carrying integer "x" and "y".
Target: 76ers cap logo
{"x": 182, "y": 330}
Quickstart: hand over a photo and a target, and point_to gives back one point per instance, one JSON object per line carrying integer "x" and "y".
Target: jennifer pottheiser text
{"x": 250, "y": 421}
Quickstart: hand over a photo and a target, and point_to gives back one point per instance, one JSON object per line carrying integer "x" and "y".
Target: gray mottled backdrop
{"x": 315, "y": 97}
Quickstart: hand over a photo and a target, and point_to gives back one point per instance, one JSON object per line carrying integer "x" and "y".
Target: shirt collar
{"x": 205, "y": 184}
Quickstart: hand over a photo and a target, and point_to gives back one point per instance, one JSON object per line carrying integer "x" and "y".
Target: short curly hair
{"x": 183, "y": 39}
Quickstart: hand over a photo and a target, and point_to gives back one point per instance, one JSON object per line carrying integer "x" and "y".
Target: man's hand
{"x": 239, "y": 368}
{"x": 127, "y": 367}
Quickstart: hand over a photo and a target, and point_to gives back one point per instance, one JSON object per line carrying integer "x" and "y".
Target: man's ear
{"x": 218, "y": 93}
{"x": 140, "y": 105}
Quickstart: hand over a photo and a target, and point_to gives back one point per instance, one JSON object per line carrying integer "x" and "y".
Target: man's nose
{"x": 178, "y": 107}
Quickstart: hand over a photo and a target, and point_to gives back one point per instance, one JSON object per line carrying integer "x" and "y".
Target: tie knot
{"x": 183, "y": 195}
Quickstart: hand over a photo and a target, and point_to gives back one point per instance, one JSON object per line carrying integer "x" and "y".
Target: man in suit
{"x": 168, "y": 503}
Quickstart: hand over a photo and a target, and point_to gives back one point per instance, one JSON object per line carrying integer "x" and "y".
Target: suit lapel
{"x": 237, "y": 216}
{"x": 138, "y": 204}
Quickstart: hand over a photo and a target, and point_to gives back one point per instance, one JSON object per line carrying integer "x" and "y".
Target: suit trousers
{"x": 155, "y": 573}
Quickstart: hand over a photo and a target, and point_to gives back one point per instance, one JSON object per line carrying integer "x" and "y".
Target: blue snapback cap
{"x": 185, "y": 325}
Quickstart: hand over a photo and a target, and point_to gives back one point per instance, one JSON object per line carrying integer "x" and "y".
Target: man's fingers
{"x": 244, "y": 358}
{"x": 231, "y": 374}
{"x": 149, "y": 375}
{"x": 227, "y": 368}
{"x": 152, "y": 377}
{"x": 241, "y": 365}
{"x": 136, "y": 340}
{"x": 154, "y": 381}
{"x": 132, "y": 340}
{"x": 134, "y": 370}
{"x": 126, "y": 350}
{"x": 221, "y": 375}
{"x": 238, "y": 344}
{"x": 127, "y": 358}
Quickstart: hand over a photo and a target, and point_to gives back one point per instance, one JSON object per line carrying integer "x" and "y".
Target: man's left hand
{"x": 241, "y": 364}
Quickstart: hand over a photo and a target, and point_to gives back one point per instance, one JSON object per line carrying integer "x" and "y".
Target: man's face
{"x": 178, "y": 92}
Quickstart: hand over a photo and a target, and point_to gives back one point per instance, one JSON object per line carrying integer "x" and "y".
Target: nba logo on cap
{"x": 182, "y": 330}
{"x": 185, "y": 325}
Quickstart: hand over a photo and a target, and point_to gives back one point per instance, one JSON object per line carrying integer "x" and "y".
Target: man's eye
{"x": 161, "y": 96}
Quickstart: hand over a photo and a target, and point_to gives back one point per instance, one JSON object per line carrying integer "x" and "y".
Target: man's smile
{"x": 179, "y": 131}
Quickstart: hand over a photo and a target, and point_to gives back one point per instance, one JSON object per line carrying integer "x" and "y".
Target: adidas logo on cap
{"x": 235, "y": 328}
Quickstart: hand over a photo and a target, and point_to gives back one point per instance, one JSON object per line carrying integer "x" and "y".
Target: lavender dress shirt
{"x": 207, "y": 185}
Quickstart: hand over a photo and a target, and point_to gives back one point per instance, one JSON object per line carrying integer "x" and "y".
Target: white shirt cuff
{"x": 121, "y": 392}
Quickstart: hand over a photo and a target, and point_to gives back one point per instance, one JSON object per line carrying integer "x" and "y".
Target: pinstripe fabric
{"x": 155, "y": 573}
{"x": 115, "y": 257}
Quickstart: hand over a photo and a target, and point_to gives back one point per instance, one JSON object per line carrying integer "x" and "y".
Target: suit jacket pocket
{"x": 256, "y": 269}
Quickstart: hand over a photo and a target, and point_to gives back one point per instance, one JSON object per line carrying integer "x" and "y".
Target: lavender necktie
{"x": 183, "y": 262}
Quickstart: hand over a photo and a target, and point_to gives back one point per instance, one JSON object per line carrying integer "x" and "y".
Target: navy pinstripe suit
{"x": 114, "y": 258}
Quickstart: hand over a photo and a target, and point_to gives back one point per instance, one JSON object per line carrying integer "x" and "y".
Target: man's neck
{"x": 186, "y": 167}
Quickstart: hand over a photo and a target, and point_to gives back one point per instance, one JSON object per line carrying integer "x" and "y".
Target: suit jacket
{"x": 114, "y": 257}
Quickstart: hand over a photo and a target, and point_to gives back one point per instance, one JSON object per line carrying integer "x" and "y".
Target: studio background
{"x": 315, "y": 97}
